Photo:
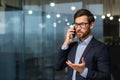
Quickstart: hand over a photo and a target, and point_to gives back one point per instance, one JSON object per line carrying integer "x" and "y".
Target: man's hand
{"x": 78, "y": 67}
{"x": 68, "y": 39}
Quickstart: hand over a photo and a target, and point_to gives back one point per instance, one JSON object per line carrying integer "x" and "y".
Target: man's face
{"x": 82, "y": 27}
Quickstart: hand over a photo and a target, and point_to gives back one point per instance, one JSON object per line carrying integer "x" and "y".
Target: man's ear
{"x": 91, "y": 25}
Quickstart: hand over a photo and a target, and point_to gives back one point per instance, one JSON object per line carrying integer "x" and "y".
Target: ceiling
{"x": 109, "y": 6}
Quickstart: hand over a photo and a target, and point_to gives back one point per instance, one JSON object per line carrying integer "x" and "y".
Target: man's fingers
{"x": 69, "y": 62}
{"x": 83, "y": 60}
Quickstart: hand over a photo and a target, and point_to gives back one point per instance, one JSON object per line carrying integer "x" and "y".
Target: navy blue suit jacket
{"x": 96, "y": 58}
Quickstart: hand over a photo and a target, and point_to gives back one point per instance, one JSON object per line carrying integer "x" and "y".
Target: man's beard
{"x": 82, "y": 35}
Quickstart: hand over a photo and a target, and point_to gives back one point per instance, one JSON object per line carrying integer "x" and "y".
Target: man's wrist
{"x": 64, "y": 47}
{"x": 66, "y": 43}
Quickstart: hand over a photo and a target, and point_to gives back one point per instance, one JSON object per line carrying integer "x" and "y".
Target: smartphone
{"x": 73, "y": 35}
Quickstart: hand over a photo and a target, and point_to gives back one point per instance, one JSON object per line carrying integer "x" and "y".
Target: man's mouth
{"x": 79, "y": 32}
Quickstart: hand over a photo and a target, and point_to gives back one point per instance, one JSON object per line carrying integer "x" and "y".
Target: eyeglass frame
{"x": 82, "y": 25}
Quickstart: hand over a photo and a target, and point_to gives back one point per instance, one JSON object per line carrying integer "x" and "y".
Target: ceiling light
{"x": 95, "y": 17}
{"x": 52, "y": 4}
{"x": 54, "y": 24}
{"x": 57, "y": 15}
{"x": 68, "y": 23}
{"x": 103, "y": 16}
{"x": 66, "y": 20}
{"x": 48, "y": 16}
{"x": 30, "y": 12}
{"x": 111, "y": 17}
{"x": 108, "y": 15}
{"x": 119, "y": 19}
{"x": 59, "y": 21}
{"x": 73, "y": 8}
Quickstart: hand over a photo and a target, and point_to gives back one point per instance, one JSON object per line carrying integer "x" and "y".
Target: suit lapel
{"x": 74, "y": 53}
{"x": 88, "y": 48}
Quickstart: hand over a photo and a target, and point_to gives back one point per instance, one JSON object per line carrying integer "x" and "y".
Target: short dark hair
{"x": 82, "y": 12}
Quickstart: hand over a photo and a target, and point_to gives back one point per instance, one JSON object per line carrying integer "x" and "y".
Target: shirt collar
{"x": 86, "y": 41}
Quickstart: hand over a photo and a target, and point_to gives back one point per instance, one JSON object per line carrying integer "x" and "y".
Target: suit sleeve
{"x": 60, "y": 59}
{"x": 62, "y": 56}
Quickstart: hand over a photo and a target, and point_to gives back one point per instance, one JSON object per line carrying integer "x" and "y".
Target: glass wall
{"x": 31, "y": 32}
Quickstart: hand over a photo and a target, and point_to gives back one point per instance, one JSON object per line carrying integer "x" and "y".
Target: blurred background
{"x": 31, "y": 31}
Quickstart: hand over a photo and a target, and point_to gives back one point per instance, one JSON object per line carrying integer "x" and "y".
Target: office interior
{"x": 31, "y": 32}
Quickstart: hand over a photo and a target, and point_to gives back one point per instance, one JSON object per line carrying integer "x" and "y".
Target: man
{"x": 87, "y": 58}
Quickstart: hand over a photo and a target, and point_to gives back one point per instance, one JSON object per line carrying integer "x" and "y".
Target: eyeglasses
{"x": 82, "y": 25}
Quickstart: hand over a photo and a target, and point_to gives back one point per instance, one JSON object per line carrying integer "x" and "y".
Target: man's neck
{"x": 82, "y": 39}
